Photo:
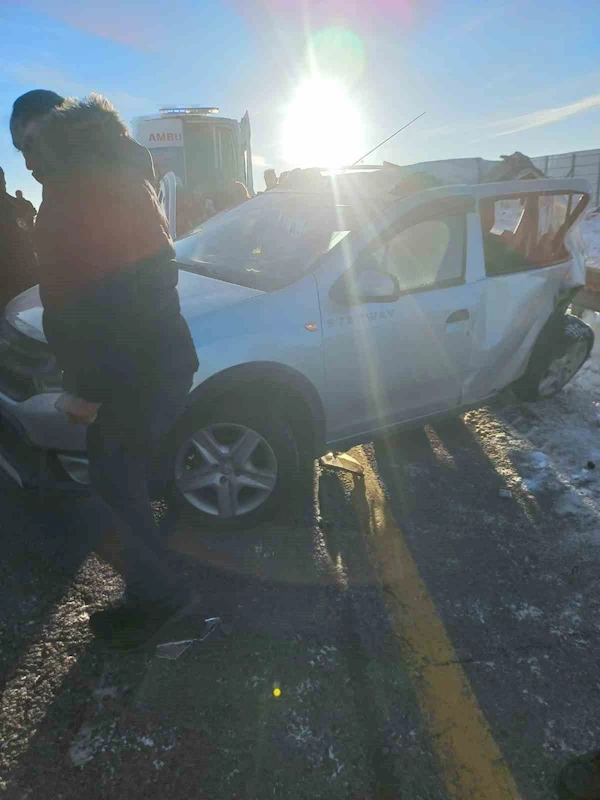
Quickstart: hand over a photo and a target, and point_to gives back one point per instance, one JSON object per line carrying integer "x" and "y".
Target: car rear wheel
{"x": 555, "y": 363}
{"x": 233, "y": 469}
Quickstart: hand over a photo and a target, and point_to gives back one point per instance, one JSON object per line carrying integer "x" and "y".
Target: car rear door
{"x": 529, "y": 263}
{"x": 392, "y": 362}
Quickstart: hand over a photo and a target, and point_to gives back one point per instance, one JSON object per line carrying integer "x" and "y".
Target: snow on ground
{"x": 590, "y": 230}
{"x": 556, "y": 445}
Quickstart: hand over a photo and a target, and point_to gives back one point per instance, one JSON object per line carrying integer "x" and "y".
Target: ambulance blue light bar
{"x": 184, "y": 111}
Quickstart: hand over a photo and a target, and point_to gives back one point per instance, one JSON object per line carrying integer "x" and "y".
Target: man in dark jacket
{"x": 112, "y": 317}
{"x": 18, "y": 264}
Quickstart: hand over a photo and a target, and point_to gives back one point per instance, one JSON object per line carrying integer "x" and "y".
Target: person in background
{"x": 239, "y": 193}
{"x": 18, "y": 263}
{"x": 112, "y": 318}
{"x": 26, "y": 209}
{"x": 270, "y": 177}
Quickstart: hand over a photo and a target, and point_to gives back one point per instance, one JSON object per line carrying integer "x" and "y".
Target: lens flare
{"x": 322, "y": 127}
{"x": 338, "y": 53}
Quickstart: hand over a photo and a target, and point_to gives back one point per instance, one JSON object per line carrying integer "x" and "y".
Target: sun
{"x": 322, "y": 127}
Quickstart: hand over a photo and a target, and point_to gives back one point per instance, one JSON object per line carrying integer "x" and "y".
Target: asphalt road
{"x": 429, "y": 639}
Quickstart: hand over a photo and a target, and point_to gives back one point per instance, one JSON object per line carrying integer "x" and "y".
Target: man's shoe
{"x": 580, "y": 778}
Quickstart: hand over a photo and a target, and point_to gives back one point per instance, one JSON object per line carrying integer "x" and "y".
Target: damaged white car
{"x": 329, "y": 312}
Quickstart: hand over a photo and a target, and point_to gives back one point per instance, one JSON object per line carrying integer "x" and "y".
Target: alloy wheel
{"x": 226, "y": 470}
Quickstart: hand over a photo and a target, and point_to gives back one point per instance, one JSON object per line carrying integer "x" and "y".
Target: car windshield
{"x": 268, "y": 242}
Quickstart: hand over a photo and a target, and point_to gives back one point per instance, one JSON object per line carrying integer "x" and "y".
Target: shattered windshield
{"x": 268, "y": 242}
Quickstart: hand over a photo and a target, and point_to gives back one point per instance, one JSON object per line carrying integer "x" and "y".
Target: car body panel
{"x": 389, "y": 363}
{"x": 375, "y": 365}
{"x": 198, "y": 295}
{"x": 42, "y": 424}
{"x": 25, "y": 314}
{"x": 268, "y": 327}
{"x": 505, "y": 329}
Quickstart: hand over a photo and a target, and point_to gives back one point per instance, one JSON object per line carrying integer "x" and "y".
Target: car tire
{"x": 205, "y": 446}
{"x": 556, "y": 359}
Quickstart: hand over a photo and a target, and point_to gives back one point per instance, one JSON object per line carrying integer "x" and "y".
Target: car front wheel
{"x": 234, "y": 468}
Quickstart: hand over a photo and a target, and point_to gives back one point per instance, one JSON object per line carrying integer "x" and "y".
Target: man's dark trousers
{"x": 123, "y": 443}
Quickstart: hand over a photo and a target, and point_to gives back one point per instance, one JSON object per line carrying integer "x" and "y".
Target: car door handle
{"x": 458, "y": 316}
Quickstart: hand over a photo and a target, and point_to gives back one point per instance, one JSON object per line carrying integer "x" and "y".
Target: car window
{"x": 426, "y": 255}
{"x": 268, "y": 242}
{"x": 525, "y": 232}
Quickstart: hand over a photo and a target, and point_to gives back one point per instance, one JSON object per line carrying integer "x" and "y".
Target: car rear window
{"x": 527, "y": 231}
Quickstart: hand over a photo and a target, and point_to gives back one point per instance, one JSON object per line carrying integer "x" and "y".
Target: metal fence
{"x": 582, "y": 164}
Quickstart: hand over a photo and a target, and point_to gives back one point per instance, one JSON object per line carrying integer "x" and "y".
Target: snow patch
{"x": 324, "y": 656}
{"x": 590, "y": 231}
{"x": 526, "y": 611}
{"x": 338, "y": 766}
{"x": 301, "y": 733}
{"x": 307, "y": 686}
{"x": 555, "y": 443}
{"x": 104, "y": 737}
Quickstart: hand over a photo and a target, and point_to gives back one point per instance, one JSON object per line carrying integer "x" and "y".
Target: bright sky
{"x": 322, "y": 78}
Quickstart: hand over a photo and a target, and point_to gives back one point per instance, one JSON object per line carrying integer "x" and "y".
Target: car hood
{"x": 198, "y": 295}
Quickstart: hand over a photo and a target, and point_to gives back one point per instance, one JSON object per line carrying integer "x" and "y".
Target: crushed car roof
{"x": 384, "y": 184}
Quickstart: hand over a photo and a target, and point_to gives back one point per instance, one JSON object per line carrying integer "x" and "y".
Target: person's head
{"x": 19, "y": 194}
{"x": 2, "y": 181}
{"x": 270, "y": 177}
{"x": 239, "y": 193}
{"x": 78, "y": 136}
{"x": 284, "y": 176}
{"x": 27, "y": 109}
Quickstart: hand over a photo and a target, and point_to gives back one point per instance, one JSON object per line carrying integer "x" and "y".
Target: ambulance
{"x": 204, "y": 151}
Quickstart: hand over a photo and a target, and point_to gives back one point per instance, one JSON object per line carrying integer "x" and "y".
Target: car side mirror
{"x": 366, "y": 285}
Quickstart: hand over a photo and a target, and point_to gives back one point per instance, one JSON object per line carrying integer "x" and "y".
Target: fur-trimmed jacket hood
{"x": 84, "y": 136}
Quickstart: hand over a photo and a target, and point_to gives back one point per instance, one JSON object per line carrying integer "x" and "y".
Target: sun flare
{"x": 322, "y": 127}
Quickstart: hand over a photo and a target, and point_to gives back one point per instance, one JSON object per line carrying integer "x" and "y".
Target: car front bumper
{"x": 38, "y": 446}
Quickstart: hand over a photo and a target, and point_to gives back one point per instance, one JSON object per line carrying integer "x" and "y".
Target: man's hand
{"x": 78, "y": 410}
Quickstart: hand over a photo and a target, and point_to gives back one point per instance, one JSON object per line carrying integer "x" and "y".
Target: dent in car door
{"x": 388, "y": 363}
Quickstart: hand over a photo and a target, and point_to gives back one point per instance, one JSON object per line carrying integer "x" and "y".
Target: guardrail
{"x": 579, "y": 164}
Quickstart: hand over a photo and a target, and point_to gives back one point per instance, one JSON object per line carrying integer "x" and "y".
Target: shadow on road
{"x": 306, "y": 614}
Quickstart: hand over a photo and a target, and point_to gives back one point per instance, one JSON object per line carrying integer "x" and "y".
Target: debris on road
{"x": 172, "y": 650}
{"x": 342, "y": 461}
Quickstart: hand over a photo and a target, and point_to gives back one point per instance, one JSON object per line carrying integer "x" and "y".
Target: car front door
{"x": 390, "y": 360}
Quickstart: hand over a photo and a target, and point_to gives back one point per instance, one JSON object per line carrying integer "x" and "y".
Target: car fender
{"x": 270, "y": 382}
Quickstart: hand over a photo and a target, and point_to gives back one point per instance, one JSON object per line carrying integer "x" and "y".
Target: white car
{"x": 325, "y": 315}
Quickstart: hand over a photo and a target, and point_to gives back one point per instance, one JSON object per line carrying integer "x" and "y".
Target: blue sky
{"x": 492, "y": 77}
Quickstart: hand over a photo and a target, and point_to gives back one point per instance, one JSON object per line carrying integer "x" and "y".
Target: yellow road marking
{"x": 472, "y": 764}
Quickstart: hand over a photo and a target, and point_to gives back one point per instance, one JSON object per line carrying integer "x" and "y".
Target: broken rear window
{"x": 527, "y": 231}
